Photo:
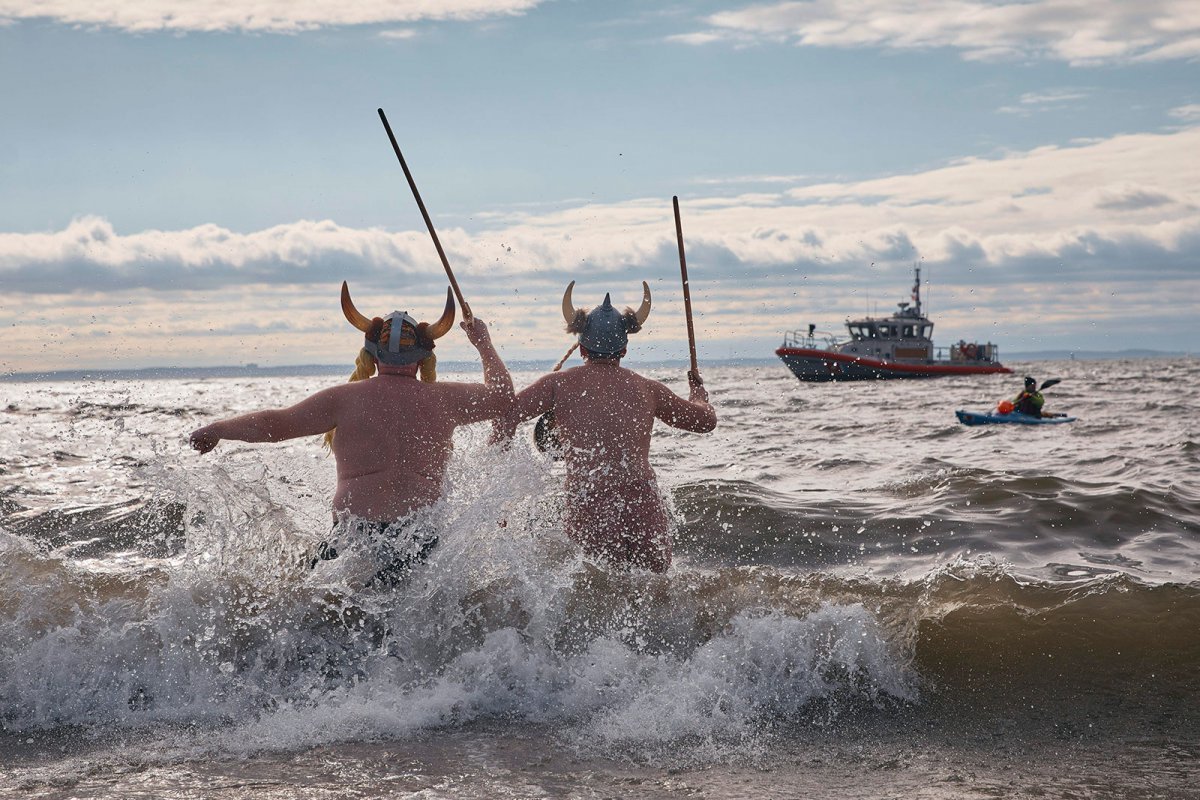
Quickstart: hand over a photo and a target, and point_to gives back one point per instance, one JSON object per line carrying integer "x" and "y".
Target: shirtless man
{"x": 393, "y": 431}
{"x": 603, "y": 417}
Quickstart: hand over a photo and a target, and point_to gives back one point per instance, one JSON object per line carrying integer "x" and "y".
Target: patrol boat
{"x": 899, "y": 346}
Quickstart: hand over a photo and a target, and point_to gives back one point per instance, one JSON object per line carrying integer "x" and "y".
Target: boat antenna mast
{"x": 916, "y": 290}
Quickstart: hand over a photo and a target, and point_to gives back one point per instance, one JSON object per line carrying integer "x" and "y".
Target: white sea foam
{"x": 505, "y": 621}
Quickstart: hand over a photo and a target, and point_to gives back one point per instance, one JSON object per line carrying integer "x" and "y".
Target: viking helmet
{"x": 604, "y": 331}
{"x": 408, "y": 341}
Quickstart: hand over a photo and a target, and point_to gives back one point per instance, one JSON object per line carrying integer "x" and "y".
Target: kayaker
{"x": 1029, "y": 401}
{"x": 393, "y": 433}
{"x": 603, "y": 416}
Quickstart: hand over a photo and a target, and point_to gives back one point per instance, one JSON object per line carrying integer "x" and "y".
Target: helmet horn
{"x": 568, "y": 307}
{"x": 644, "y": 310}
{"x": 440, "y": 328}
{"x": 353, "y": 316}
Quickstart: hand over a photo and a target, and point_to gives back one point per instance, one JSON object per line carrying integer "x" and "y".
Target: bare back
{"x": 604, "y": 416}
{"x": 394, "y": 439}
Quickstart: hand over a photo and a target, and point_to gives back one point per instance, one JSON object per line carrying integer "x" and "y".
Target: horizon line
{"x": 251, "y": 369}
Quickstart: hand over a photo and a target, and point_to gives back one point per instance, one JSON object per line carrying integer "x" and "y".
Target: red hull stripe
{"x": 894, "y": 366}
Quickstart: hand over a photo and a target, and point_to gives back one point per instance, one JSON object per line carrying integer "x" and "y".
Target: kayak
{"x": 992, "y": 418}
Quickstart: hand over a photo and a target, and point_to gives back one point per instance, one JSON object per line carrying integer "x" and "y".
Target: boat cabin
{"x": 863, "y": 329}
{"x": 907, "y": 335}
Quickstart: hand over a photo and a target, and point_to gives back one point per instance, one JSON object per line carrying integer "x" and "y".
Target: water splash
{"x": 505, "y": 620}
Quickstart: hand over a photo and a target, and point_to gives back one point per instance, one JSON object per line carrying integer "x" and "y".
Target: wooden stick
{"x": 687, "y": 290}
{"x": 466, "y": 309}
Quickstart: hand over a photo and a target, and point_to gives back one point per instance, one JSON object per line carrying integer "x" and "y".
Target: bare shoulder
{"x": 453, "y": 394}
{"x": 452, "y": 387}
{"x": 336, "y": 393}
{"x": 379, "y": 389}
{"x": 551, "y": 380}
{"x": 348, "y": 388}
{"x": 653, "y": 385}
{"x": 342, "y": 397}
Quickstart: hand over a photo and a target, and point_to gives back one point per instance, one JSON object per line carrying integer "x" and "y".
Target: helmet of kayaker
{"x": 604, "y": 332}
{"x": 1030, "y": 384}
{"x": 398, "y": 339}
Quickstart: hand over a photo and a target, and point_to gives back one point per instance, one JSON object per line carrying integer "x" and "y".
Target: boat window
{"x": 907, "y": 332}
{"x": 927, "y": 331}
{"x": 887, "y": 331}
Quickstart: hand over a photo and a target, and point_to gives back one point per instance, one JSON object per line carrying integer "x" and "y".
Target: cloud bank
{"x": 1079, "y": 32}
{"x": 259, "y": 16}
{"x": 1138, "y": 192}
{"x": 1055, "y": 238}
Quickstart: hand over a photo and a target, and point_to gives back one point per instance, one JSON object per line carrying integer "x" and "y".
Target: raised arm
{"x": 694, "y": 414}
{"x": 535, "y": 399}
{"x": 495, "y": 396}
{"x": 309, "y": 417}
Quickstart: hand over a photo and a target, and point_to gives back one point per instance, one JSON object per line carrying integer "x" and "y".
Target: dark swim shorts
{"x": 396, "y": 546}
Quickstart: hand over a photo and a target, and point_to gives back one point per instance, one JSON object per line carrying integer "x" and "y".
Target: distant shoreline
{"x": 301, "y": 370}
{"x": 1093, "y": 355}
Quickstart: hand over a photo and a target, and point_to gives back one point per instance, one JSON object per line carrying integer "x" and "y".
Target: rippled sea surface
{"x": 868, "y": 600}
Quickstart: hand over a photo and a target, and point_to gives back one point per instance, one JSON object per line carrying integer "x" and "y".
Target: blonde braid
{"x": 563, "y": 360}
{"x": 364, "y": 367}
{"x": 429, "y": 369}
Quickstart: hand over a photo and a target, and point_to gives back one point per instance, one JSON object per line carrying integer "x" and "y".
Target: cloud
{"x": 1188, "y": 113}
{"x": 1052, "y": 100}
{"x": 260, "y": 16}
{"x": 90, "y": 255}
{"x": 699, "y": 38}
{"x": 1053, "y": 97}
{"x": 398, "y": 34}
{"x": 749, "y": 179}
{"x": 1077, "y": 32}
{"x": 1063, "y": 234}
{"x": 1132, "y": 198}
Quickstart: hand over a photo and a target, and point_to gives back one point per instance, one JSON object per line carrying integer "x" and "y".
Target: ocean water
{"x": 868, "y": 600}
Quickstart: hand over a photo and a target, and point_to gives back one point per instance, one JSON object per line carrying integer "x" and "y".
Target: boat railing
{"x": 974, "y": 352}
{"x": 814, "y": 340}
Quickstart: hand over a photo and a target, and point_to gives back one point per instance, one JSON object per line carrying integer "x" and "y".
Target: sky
{"x": 188, "y": 182}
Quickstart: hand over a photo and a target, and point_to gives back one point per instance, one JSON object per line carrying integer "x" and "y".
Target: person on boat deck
{"x": 393, "y": 432}
{"x": 603, "y": 415}
{"x": 1029, "y": 401}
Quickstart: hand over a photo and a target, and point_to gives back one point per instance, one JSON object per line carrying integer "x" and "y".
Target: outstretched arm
{"x": 495, "y": 396}
{"x": 694, "y": 414}
{"x": 310, "y": 417}
{"x": 535, "y": 399}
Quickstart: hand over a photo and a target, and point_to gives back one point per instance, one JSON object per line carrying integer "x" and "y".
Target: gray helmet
{"x": 604, "y": 331}
{"x": 409, "y": 341}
